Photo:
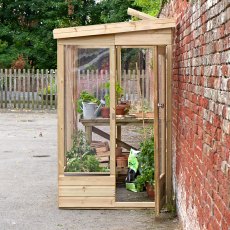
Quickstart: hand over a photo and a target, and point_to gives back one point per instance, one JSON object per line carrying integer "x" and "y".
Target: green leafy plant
{"x": 118, "y": 90}
{"x": 50, "y": 88}
{"x": 146, "y": 161}
{"x": 81, "y": 157}
{"x": 85, "y": 97}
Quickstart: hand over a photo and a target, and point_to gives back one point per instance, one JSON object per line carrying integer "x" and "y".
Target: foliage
{"x": 118, "y": 90}
{"x": 146, "y": 161}
{"x": 81, "y": 157}
{"x": 151, "y": 7}
{"x": 51, "y": 88}
{"x": 27, "y": 26}
{"x": 115, "y": 10}
{"x": 85, "y": 97}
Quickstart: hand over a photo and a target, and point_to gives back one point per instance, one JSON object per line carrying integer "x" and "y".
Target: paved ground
{"x": 28, "y": 176}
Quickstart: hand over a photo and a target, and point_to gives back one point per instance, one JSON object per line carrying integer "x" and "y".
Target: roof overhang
{"x": 113, "y": 28}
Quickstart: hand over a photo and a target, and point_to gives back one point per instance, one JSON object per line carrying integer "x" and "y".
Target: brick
{"x": 217, "y": 214}
{"x": 201, "y": 109}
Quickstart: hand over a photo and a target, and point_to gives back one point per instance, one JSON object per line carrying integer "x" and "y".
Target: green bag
{"x": 133, "y": 166}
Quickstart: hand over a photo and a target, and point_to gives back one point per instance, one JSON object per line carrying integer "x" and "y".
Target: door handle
{"x": 161, "y": 105}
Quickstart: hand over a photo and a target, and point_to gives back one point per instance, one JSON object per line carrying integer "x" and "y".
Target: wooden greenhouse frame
{"x": 98, "y": 191}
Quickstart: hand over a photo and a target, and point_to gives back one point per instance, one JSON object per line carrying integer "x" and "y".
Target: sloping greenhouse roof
{"x": 114, "y": 28}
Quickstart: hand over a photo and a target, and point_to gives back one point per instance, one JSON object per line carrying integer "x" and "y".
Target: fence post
{"x": 10, "y": 87}
{"x": 37, "y": 89}
{"x": 42, "y": 85}
{"x": 28, "y": 88}
{"x": 32, "y": 88}
{"x": 46, "y": 85}
{"x": 56, "y": 93}
{"x": 51, "y": 89}
{"x": 15, "y": 85}
{"x": 19, "y": 87}
{"x": 1, "y": 86}
{"x": 24, "y": 88}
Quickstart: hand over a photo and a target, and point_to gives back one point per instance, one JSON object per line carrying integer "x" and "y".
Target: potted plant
{"x": 81, "y": 157}
{"x": 89, "y": 102}
{"x": 146, "y": 161}
{"x": 120, "y": 108}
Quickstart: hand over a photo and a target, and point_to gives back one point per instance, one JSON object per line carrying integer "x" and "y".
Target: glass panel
{"x": 87, "y": 139}
{"x": 134, "y": 120}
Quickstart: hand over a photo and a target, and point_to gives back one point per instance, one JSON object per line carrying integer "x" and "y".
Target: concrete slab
{"x": 28, "y": 176}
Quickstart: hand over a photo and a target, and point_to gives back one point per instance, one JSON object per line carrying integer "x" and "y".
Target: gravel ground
{"x": 28, "y": 175}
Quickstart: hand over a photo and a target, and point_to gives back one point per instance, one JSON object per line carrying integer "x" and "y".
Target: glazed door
{"x": 160, "y": 108}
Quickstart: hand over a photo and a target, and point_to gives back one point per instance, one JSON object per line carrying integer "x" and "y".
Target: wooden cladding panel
{"x": 99, "y": 41}
{"x": 144, "y": 38}
{"x": 86, "y": 180}
{"x": 135, "y": 205}
{"x": 87, "y": 191}
{"x": 86, "y": 202}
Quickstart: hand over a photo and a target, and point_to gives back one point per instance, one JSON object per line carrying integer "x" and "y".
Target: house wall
{"x": 201, "y": 112}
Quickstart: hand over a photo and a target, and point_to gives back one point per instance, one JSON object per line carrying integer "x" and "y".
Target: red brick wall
{"x": 201, "y": 112}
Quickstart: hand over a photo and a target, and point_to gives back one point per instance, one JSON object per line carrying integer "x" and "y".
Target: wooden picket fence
{"x": 37, "y": 89}
{"x": 28, "y": 89}
{"x": 135, "y": 83}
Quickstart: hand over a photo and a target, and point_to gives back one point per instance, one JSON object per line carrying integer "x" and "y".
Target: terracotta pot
{"x": 105, "y": 112}
{"x": 121, "y": 162}
{"x": 118, "y": 151}
{"x": 150, "y": 191}
{"x": 122, "y": 108}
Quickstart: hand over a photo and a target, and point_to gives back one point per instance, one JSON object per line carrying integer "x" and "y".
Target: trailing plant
{"x": 85, "y": 97}
{"x": 81, "y": 157}
{"x": 146, "y": 161}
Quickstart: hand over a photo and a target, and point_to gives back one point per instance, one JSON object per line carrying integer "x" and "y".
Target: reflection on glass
{"x": 135, "y": 141}
{"x": 86, "y": 91}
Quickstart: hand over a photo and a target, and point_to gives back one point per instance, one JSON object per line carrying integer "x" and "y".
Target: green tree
{"x": 115, "y": 10}
{"x": 27, "y": 28}
{"x": 151, "y": 7}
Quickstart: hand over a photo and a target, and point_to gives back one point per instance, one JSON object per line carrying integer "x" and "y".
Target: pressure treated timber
{"x": 99, "y": 121}
{"x": 162, "y": 100}
{"x": 60, "y": 109}
{"x": 113, "y": 28}
{"x": 86, "y": 202}
{"x": 134, "y": 205}
{"x": 87, "y": 191}
{"x": 140, "y": 15}
{"x": 86, "y": 180}
{"x": 112, "y": 92}
{"x": 143, "y": 37}
{"x": 107, "y": 136}
{"x": 69, "y": 94}
{"x": 100, "y": 41}
{"x": 169, "y": 124}
{"x": 156, "y": 130}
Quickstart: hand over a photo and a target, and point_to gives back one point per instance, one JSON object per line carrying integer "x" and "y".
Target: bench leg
{"x": 88, "y": 133}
